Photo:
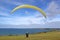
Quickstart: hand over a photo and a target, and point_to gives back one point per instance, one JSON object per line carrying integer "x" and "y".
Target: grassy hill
{"x": 54, "y": 35}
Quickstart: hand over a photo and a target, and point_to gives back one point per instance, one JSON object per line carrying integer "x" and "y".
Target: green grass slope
{"x": 55, "y": 35}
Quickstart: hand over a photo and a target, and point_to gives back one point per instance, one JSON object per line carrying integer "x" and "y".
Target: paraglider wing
{"x": 29, "y": 6}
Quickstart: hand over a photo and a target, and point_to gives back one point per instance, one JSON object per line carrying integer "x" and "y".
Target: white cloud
{"x": 47, "y": 25}
{"x": 53, "y": 9}
{"x": 53, "y": 24}
{"x": 4, "y": 14}
{"x": 22, "y": 20}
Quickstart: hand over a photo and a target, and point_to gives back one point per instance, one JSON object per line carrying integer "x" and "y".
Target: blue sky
{"x": 30, "y": 17}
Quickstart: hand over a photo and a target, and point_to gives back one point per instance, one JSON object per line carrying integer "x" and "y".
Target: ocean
{"x": 14, "y": 31}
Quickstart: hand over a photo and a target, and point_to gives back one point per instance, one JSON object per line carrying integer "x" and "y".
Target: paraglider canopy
{"x": 29, "y": 6}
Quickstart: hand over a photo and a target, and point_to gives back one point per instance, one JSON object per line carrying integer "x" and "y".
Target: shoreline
{"x": 31, "y": 33}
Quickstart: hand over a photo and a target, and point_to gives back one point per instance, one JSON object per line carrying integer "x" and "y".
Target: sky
{"x": 30, "y": 18}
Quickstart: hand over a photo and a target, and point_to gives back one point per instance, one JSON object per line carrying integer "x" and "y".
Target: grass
{"x": 54, "y": 35}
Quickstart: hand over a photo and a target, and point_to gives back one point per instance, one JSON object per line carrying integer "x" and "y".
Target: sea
{"x": 15, "y": 31}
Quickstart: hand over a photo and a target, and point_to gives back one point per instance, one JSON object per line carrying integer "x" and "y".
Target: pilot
{"x": 27, "y": 35}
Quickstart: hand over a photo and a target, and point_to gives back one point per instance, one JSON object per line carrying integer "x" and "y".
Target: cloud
{"x": 53, "y": 24}
{"x": 21, "y": 20}
{"x": 47, "y": 25}
{"x": 3, "y": 14}
{"x": 53, "y": 9}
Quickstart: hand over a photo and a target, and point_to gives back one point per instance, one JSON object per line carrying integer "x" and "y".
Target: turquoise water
{"x": 7, "y": 31}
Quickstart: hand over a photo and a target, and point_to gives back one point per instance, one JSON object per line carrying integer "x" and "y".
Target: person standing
{"x": 27, "y": 35}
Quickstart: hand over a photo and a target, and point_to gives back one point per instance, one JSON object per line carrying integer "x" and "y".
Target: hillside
{"x": 54, "y": 35}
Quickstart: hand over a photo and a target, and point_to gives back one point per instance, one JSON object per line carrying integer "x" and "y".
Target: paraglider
{"x": 29, "y": 6}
